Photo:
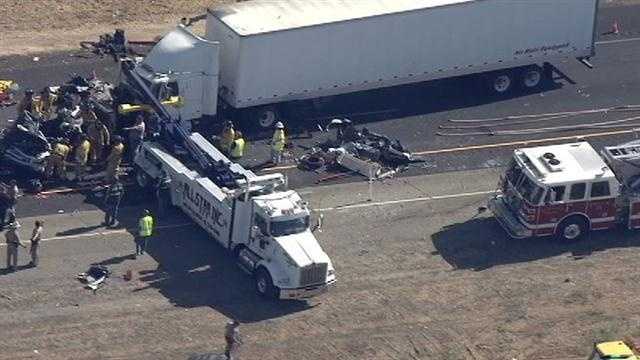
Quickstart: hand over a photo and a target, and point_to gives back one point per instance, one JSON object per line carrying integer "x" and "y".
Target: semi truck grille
{"x": 313, "y": 274}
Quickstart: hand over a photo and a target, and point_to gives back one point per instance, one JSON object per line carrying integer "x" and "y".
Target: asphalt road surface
{"x": 414, "y": 114}
{"x": 420, "y": 276}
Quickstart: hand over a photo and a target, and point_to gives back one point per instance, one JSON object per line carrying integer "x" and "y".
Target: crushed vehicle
{"x": 568, "y": 190}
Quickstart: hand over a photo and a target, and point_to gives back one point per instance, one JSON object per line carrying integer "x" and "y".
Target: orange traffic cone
{"x": 615, "y": 28}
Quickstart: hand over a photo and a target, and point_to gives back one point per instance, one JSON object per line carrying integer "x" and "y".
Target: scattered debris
{"x": 95, "y": 276}
{"x": 372, "y": 155}
{"x": 116, "y": 45}
{"x": 8, "y": 91}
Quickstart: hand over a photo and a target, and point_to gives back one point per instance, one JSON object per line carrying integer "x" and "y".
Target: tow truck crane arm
{"x": 167, "y": 121}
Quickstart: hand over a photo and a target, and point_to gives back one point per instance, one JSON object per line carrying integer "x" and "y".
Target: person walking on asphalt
{"x": 278, "y": 142}
{"x": 112, "y": 199}
{"x": 36, "y": 236}
{"x": 13, "y": 241}
{"x": 163, "y": 193}
{"x": 232, "y": 339}
{"x": 145, "y": 230}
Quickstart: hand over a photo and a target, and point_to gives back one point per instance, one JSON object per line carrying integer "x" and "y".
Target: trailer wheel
{"x": 573, "y": 228}
{"x": 532, "y": 77}
{"x": 501, "y": 82}
{"x": 267, "y": 117}
{"x": 264, "y": 284}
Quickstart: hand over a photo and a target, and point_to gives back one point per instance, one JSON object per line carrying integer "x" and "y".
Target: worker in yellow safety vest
{"x": 278, "y": 142}
{"x": 237, "y": 147}
{"x": 56, "y": 163}
{"x": 145, "y": 230}
{"x": 113, "y": 159}
{"x": 227, "y": 136}
{"x": 82, "y": 149}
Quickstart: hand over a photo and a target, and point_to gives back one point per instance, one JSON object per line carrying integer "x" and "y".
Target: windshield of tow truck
{"x": 289, "y": 226}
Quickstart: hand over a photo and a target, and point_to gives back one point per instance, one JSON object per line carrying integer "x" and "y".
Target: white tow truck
{"x": 568, "y": 190}
{"x": 262, "y": 223}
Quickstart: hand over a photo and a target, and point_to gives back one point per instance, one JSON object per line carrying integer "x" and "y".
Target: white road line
{"x": 404, "y": 201}
{"x": 108, "y": 232}
{"x": 606, "y": 42}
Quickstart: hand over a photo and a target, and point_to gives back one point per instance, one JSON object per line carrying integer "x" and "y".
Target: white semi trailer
{"x": 260, "y": 55}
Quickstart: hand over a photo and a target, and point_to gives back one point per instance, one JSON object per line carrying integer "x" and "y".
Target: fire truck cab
{"x": 564, "y": 190}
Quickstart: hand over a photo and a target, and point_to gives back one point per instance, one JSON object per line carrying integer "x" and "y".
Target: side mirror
{"x": 255, "y": 231}
{"x": 318, "y": 225}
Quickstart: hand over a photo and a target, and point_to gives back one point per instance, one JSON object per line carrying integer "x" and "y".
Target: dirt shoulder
{"x": 54, "y": 25}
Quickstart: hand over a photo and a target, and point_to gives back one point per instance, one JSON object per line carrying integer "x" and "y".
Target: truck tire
{"x": 501, "y": 82}
{"x": 531, "y": 77}
{"x": 142, "y": 179}
{"x": 267, "y": 117}
{"x": 573, "y": 228}
{"x": 264, "y": 284}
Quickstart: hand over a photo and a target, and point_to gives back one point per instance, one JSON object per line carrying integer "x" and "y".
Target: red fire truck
{"x": 568, "y": 190}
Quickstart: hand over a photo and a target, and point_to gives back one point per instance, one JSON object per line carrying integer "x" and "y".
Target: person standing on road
{"x": 112, "y": 200}
{"x": 278, "y": 142}
{"x": 36, "y": 236}
{"x": 237, "y": 147}
{"x": 136, "y": 135}
{"x": 227, "y": 136}
{"x": 232, "y": 339}
{"x": 99, "y": 137}
{"x": 46, "y": 104}
{"x": 163, "y": 193}
{"x": 113, "y": 159}
{"x": 145, "y": 230}
{"x": 26, "y": 104}
{"x": 12, "y": 200}
{"x": 13, "y": 241}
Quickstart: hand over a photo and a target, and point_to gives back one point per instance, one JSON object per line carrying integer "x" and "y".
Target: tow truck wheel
{"x": 264, "y": 284}
{"x": 142, "y": 179}
{"x": 572, "y": 229}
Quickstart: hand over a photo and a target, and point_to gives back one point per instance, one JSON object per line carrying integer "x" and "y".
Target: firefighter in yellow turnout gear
{"x": 145, "y": 230}
{"x": 56, "y": 163}
{"x": 113, "y": 159}
{"x": 82, "y": 149}
{"x": 227, "y": 136}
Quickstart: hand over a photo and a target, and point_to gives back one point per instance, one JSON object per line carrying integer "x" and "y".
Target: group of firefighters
{"x": 89, "y": 141}
{"x": 232, "y": 143}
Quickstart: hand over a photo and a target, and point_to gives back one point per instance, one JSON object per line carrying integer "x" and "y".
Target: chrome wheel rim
{"x": 572, "y": 231}
{"x": 267, "y": 118}
{"x": 532, "y": 78}
{"x": 262, "y": 285}
{"x": 502, "y": 83}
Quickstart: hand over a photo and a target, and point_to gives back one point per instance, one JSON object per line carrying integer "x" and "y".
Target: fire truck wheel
{"x": 572, "y": 229}
{"x": 264, "y": 284}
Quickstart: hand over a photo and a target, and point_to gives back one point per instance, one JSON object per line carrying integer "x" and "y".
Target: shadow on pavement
{"x": 480, "y": 244}
{"x": 79, "y": 230}
{"x": 194, "y": 271}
